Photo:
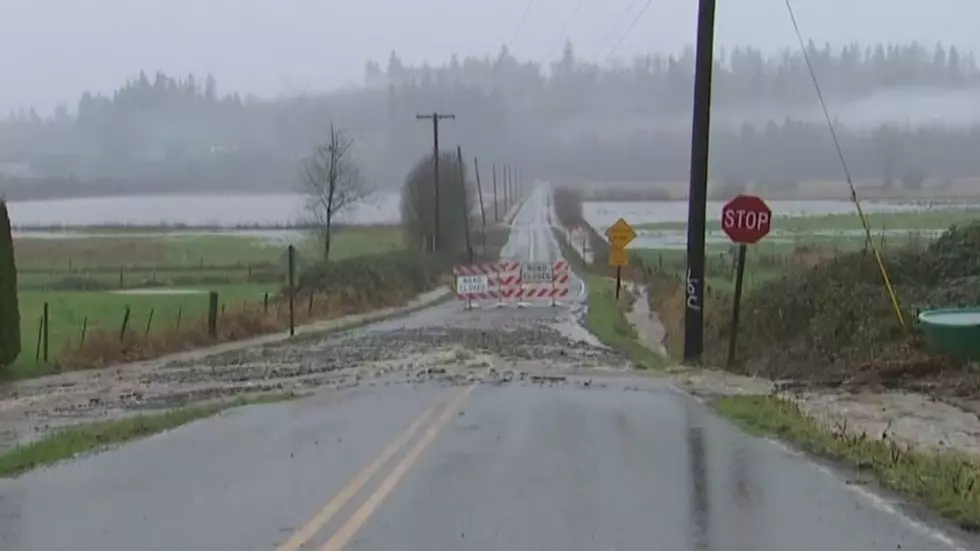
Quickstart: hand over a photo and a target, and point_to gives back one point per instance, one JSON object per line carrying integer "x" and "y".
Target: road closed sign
{"x": 537, "y": 272}
{"x": 746, "y": 219}
{"x": 470, "y": 284}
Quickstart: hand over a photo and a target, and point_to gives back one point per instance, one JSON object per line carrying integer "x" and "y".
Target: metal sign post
{"x": 746, "y": 219}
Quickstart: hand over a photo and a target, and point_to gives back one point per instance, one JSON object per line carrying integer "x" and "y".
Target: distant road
{"x": 488, "y": 429}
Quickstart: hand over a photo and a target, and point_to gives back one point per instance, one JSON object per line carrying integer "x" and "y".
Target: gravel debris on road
{"x": 532, "y": 352}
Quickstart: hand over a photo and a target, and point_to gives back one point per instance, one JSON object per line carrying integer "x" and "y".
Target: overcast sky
{"x": 52, "y": 50}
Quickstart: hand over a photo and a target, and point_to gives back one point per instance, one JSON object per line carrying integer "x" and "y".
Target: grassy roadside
{"x": 946, "y": 482}
{"x": 606, "y": 320}
{"x": 95, "y": 437}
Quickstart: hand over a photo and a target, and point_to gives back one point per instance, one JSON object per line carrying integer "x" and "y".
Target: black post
{"x": 506, "y": 184}
{"x": 619, "y": 280}
{"x": 292, "y": 290}
{"x": 479, "y": 191}
{"x": 435, "y": 183}
{"x": 81, "y": 340}
{"x": 213, "y": 314}
{"x": 740, "y": 271}
{"x": 698, "y": 196}
{"x": 125, "y": 324}
{"x": 40, "y": 330}
{"x": 435, "y": 165}
{"x": 466, "y": 214}
{"x": 149, "y": 322}
{"x": 46, "y": 329}
{"x": 496, "y": 211}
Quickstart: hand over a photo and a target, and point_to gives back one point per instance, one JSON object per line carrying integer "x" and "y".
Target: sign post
{"x": 620, "y": 234}
{"x": 746, "y": 219}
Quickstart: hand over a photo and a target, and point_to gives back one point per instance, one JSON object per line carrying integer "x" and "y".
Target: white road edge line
{"x": 876, "y": 501}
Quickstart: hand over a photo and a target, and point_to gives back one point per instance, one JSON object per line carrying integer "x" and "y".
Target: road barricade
{"x": 492, "y": 282}
{"x": 543, "y": 281}
{"x": 512, "y": 282}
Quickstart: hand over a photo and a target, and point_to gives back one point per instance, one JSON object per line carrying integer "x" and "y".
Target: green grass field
{"x": 71, "y": 310}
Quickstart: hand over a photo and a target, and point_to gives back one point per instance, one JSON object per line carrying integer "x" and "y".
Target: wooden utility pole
{"x": 436, "y": 117}
{"x": 479, "y": 191}
{"x": 496, "y": 212}
{"x": 466, "y": 210}
{"x": 506, "y": 185}
{"x": 698, "y": 195}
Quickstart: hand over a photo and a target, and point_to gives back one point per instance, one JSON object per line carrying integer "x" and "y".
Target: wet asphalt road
{"x": 589, "y": 464}
{"x": 518, "y": 466}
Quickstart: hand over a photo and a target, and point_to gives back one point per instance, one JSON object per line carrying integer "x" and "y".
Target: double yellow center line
{"x": 346, "y": 532}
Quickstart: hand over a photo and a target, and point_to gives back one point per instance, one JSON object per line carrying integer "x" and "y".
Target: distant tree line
{"x": 569, "y": 120}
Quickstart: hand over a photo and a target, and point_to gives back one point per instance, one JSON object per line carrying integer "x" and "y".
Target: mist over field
{"x": 181, "y": 97}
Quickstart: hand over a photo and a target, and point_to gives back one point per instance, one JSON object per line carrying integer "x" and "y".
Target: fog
{"x": 55, "y": 49}
{"x": 101, "y": 100}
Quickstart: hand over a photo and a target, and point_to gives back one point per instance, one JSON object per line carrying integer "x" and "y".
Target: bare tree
{"x": 332, "y": 183}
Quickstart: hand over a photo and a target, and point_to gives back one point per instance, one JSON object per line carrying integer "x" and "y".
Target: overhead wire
{"x": 847, "y": 173}
{"x": 629, "y": 28}
{"x": 616, "y": 26}
{"x": 571, "y": 19}
{"x": 520, "y": 22}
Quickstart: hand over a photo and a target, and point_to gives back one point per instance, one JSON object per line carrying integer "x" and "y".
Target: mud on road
{"x": 524, "y": 350}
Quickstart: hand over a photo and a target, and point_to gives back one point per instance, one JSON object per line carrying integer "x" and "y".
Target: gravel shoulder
{"x": 912, "y": 418}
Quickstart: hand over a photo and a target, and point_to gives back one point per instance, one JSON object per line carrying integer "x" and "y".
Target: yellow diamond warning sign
{"x": 620, "y": 234}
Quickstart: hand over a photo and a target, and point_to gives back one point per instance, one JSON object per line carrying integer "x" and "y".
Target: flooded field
{"x": 829, "y": 221}
{"x": 604, "y": 214}
{"x": 227, "y": 211}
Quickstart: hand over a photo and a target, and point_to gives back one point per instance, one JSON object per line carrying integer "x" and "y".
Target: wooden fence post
{"x": 149, "y": 321}
{"x": 45, "y": 340}
{"x": 81, "y": 340}
{"x": 125, "y": 323}
{"x": 292, "y": 290}
{"x": 213, "y": 314}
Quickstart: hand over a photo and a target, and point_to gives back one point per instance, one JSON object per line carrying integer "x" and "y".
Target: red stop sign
{"x": 746, "y": 219}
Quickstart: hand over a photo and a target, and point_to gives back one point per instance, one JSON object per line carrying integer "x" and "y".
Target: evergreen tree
{"x": 9, "y": 310}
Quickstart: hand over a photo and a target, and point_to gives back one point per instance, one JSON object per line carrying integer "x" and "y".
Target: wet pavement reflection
{"x": 521, "y": 467}
{"x": 698, "y": 476}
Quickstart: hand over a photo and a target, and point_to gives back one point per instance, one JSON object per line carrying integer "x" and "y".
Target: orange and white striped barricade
{"x": 561, "y": 281}
{"x": 485, "y": 282}
{"x": 506, "y": 280}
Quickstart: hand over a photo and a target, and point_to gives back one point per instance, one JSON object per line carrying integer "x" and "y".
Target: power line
{"x": 520, "y": 23}
{"x": 629, "y": 28}
{"x": 611, "y": 32}
{"x": 843, "y": 162}
{"x": 571, "y": 19}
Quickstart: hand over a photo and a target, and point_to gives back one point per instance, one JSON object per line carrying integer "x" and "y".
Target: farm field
{"x": 163, "y": 279}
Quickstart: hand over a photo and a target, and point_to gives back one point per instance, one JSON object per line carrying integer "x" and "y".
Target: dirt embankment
{"x": 831, "y": 325}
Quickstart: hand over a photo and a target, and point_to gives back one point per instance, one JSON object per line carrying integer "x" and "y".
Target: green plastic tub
{"x": 953, "y": 331}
